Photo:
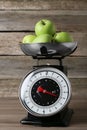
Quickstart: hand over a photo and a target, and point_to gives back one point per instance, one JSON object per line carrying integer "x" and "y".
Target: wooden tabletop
{"x": 11, "y": 112}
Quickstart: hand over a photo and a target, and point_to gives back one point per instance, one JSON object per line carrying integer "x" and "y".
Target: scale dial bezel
{"x": 31, "y": 78}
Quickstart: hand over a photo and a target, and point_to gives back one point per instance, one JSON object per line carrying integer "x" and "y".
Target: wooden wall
{"x": 18, "y": 17}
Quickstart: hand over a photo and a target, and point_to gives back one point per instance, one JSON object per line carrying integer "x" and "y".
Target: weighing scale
{"x": 46, "y": 91}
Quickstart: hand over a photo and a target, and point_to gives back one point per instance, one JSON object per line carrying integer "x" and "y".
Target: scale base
{"x": 61, "y": 119}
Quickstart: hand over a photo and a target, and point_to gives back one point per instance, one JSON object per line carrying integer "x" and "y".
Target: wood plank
{"x": 79, "y": 88}
{"x": 9, "y": 43}
{"x": 77, "y": 67}
{"x": 9, "y": 103}
{"x": 13, "y": 69}
{"x": 43, "y": 5}
{"x": 10, "y": 87}
{"x": 15, "y": 100}
{"x": 25, "y": 20}
{"x": 18, "y": 66}
{"x": 12, "y": 112}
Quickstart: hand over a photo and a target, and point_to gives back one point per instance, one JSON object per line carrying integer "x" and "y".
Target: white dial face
{"x": 45, "y": 91}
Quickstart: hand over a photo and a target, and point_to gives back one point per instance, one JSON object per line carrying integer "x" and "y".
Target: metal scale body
{"x": 46, "y": 91}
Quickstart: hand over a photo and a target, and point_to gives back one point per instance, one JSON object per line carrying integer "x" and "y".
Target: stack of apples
{"x": 45, "y": 32}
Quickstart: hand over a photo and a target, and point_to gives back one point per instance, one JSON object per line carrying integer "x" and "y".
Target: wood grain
{"x": 11, "y": 112}
{"x": 26, "y": 20}
{"x": 9, "y": 43}
{"x": 14, "y": 68}
{"x": 10, "y": 87}
{"x": 18, "y": 18}
{"x": 18, "y": 66}
{"x": 43, "y": 4}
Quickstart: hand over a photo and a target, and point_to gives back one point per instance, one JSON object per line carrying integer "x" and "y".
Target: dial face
{"x": 45, "y": 91}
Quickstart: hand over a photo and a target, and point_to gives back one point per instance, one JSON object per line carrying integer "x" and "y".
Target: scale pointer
{"x": 40, "y": 89}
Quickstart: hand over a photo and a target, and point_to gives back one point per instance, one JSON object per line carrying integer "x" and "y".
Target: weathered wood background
{"x": 18, "y": 18}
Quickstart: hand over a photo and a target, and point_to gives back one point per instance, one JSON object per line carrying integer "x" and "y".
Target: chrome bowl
{"x": 59, "y": 49}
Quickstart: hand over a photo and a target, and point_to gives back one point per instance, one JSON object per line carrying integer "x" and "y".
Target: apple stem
{"x": 43, "y": 22}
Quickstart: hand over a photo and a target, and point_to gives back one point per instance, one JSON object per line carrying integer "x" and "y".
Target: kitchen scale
{"x": 46, "y": 91}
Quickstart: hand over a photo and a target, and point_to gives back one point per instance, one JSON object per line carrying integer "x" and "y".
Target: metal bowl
{"x": 59, "y": 49}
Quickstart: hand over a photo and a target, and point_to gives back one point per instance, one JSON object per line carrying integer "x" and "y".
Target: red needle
{"x": 40, "y": 89}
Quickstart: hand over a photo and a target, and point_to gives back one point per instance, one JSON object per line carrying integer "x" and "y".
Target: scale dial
{"x": 45, "y": 91}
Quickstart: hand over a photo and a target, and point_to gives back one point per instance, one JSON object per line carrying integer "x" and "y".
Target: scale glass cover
{"x": 45, "y": 91}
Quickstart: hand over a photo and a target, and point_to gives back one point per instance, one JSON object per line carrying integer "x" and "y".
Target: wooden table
{"x": 11, "y": 112}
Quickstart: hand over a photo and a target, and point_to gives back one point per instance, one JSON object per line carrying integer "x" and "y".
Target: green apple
{"x": 44, "y": 38}
{"x": 28, "y": 38}
{"x": 45, "y": 26}
{"x": 62, "y": 37}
